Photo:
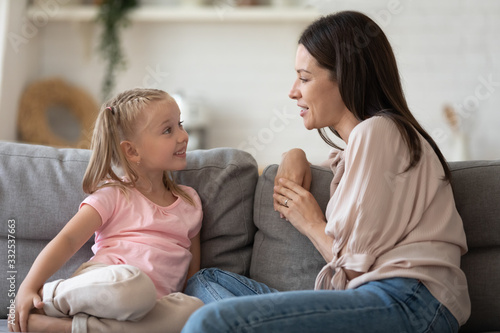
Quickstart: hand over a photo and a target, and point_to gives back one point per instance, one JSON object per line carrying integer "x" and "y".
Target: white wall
{"x": 448, "y": 51}
{"x": 18, "y": 62}
{"x": 3, "y": 37}
{"x": 243, "y": 71}
{"x": 7, "y": 107}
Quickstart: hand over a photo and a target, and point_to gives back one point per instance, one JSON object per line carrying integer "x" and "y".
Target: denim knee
{"x": 194, "y": 280}
{"x": 210, "y": 273}
{"x": 207, "y": 274}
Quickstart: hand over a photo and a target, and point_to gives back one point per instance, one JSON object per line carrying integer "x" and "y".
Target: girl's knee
{"x": 133, "y": 291}
{"x": 131, "y": 278}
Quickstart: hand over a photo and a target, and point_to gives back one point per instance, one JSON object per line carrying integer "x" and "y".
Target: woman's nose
{"x": 294, "y": 92}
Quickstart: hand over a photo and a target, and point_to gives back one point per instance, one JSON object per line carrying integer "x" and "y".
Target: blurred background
{"x": 230, "y": 65}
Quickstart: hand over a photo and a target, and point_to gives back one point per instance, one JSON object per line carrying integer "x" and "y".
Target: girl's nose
{"x": 183, "y": 136}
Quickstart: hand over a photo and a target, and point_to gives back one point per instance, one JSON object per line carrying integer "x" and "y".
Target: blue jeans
{"x": 392, "y": 305}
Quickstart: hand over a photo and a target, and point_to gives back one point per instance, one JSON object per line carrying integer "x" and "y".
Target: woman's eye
{"x": 302, "y": 79}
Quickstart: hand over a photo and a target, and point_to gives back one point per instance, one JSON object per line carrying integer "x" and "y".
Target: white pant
{"x": 116, "y": 298}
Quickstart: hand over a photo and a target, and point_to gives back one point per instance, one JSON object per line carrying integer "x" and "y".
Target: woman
{"x": 391, "y": 236}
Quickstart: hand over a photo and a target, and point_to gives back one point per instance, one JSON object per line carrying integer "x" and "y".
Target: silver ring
{"x": 285, "y": 203}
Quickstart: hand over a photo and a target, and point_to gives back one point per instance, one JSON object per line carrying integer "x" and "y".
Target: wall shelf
{"x": 214, "y": 14}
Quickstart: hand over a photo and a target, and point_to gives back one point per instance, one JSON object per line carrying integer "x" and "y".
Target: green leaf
{"x": 112, "y": 15}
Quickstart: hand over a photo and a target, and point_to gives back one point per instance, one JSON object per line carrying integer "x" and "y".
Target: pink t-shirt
{"x": 394, "y": 223}
{"x": 135, "y": 231}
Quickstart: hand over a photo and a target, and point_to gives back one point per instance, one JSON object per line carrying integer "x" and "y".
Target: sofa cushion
{"x": 40, "y": 189}
{"x": 282, "y": 257}
{"x": 476, "y": 188}
{"x": 225, "y": 180}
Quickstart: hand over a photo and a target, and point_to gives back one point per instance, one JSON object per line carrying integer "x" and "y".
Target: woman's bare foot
{"x": 42, "y": 323}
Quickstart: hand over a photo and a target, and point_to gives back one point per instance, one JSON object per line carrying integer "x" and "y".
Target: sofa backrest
{"x": 40, "y": 190}
{"x": 286, "y": 260}
{"x": 476, "y": 188}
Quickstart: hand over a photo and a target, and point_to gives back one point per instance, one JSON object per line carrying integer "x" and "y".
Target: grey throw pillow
{"x": 282, "y": 257}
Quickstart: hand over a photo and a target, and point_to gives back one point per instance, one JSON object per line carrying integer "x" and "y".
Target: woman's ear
{"x": 130, "y": 152}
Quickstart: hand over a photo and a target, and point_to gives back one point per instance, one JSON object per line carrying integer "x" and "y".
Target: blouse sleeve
{"x": 332, "y": 156}
{"x": 371, "y": 207}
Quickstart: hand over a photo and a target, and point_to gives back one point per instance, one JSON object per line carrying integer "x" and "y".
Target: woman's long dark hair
{"x": 361, "y": 61}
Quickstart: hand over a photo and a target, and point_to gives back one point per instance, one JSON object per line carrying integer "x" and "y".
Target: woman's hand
{"x": 26, "y": 300}
{"x": 299, "y": 207}
{"x": 295, "y": 167}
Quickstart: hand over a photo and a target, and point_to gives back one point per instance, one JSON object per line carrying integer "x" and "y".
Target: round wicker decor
{"x": 33, "y": 123}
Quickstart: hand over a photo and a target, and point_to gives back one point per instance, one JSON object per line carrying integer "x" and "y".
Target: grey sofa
{"x": 40, "y": 190}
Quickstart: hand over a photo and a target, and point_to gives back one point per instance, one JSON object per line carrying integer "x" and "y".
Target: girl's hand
{"x": 26, "y": 300}
{"x": 295, "y": 167}
{"x": 59, "y": 250}
{"x": 303, "y": 210}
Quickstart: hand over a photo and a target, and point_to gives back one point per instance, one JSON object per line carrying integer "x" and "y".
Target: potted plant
{"x": 112, "y": 15}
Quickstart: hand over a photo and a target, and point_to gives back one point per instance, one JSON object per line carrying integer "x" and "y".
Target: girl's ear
{"x": 130, "y": 151}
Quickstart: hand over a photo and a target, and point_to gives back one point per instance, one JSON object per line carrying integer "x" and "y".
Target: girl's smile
{"x": 162, "y": 142}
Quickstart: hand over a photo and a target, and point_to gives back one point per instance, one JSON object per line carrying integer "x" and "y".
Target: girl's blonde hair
{"x": 117, "y": 121}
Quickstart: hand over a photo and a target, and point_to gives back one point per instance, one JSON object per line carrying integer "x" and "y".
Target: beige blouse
{"x": 391, "y": 223}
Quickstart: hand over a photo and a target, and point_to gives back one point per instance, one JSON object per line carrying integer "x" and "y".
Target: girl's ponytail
{"x": 105, "y": 148}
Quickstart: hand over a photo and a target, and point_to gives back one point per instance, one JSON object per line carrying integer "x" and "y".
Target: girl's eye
{"x": 180, "y": 123}
{"x": 167, "y": 130}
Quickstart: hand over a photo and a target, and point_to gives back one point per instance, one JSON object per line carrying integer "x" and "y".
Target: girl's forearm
{"x": 48, "y": 262}
{"x": 59, "y": 250}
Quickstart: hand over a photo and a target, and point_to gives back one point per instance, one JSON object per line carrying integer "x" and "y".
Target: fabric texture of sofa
{"x": 40, "y": 190}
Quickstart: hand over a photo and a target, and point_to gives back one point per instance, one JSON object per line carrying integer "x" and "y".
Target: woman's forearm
{"x": 300, "y": 208}
{"x": 295, "y": 167}
{"x": 321, "y": 241}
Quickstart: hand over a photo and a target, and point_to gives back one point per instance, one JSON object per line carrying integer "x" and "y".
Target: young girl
{"x": 146, "y": 230}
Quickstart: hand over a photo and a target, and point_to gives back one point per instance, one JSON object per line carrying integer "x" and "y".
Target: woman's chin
{"x": 308, "y": 126}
